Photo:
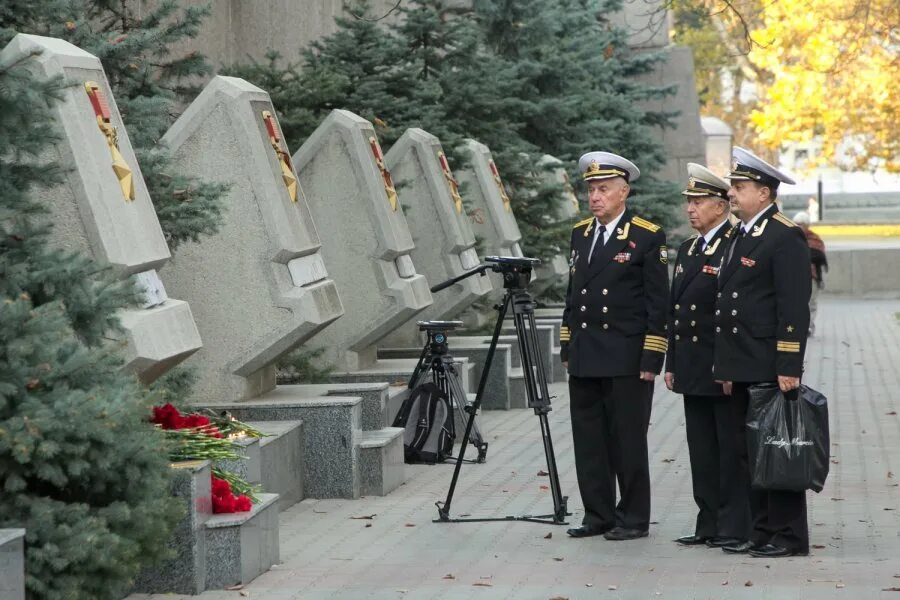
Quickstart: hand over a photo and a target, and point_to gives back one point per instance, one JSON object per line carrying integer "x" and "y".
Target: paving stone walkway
{"x": 388, "y": 548}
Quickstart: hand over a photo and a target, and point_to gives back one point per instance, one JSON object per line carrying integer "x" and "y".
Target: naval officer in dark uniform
{"x": 723, "y": 516}
{"x": 762, "y": 320}
{"x": 613, "y": 341}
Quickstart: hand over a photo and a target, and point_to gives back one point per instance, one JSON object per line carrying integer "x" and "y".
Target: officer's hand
{"x": 648, "y": 375}
{"x": 788, "y": 383}
{"x": 566, "y": 364}
{"x": 726, "y": 387}
{"x": 670, "y": 379}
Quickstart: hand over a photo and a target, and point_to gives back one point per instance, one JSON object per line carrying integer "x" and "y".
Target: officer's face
{"x": 607, "y": 198}
{"x": 704, "y": 212}
{"x": 747, "y": 198}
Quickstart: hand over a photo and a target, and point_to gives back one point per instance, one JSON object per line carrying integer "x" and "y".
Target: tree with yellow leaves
{"x": 830, "y": 69}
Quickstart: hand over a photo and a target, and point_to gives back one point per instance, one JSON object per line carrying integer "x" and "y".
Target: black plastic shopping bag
{"x": 787, "y": 438}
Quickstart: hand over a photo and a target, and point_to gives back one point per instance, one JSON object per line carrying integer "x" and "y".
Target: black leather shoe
{"x": 587, "y": 531}
{"x": 719, "y": 542}
{"x": 618, "y": 534}
{"x": 692, "y": 540}
{"x": 773, "y": 551}
{"x": 740, "y": 548}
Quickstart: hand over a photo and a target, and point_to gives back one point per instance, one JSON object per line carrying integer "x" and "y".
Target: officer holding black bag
{"x": 762, "y": 321}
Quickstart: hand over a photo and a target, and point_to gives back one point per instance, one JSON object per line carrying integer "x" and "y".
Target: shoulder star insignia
{"x": 790, "y": 328}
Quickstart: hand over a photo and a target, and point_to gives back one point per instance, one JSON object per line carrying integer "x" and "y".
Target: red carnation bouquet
{"x": 210, "y": 437}
{"x": 224, "y": 500}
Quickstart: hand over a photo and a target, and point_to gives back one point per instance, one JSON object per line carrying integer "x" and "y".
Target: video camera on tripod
{"x": 516, "y": 272}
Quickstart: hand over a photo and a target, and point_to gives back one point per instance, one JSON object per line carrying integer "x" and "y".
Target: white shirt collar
{"x": 749, "y": 225}
{"x": 708, "y": 237}
{"x": 611, "y": 226}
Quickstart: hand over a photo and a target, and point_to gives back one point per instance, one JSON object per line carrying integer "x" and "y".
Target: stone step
{"x": 185, "y": 573}
{"x": 381, "y": 461}
{"x": 281, "y": 460}
{"x": 12, "y": 564}
{"x": 375, "y": 397}
{"x": 397, "y": 371}
{"x": 330, "y": 440}
{"x": 547, "y": 338}
{"x": 497, "y": 390}
{"x": 241, "y": 546}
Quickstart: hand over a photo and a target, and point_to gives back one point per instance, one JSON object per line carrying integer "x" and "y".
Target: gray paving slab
{"x": 329, "y": 551}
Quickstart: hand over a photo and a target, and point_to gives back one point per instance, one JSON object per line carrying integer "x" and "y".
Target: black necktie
{"x": 599, "y": 241}
{"x": 737, "y": 242}
{"x": 701, "y": 245}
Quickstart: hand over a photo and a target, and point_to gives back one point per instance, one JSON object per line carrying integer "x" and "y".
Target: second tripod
{"x": 436, "y": 362}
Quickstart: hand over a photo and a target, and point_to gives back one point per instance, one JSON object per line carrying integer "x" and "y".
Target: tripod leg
{"x": 458, "y": 395}
{"x": 444, "y": 507}
{"x": 419, "y": 371}
{"x": 538, "y": 392}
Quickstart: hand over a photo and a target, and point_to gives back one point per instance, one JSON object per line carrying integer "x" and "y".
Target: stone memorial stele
{"x": 440, "y": 227}
{"x": 259, "y": 285}
{"x": 352, "y": 197}
{"x": 102, "y": 209}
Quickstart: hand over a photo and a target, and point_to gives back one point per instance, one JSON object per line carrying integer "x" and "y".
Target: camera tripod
{"x": 437, "y": 362}
{"x": 516, "y": 276}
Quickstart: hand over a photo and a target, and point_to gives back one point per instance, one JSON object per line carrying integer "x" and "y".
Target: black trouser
{"x": 610, "y": 417}
{"x": 779, "y": 516}
{"x": 719, "y": 492}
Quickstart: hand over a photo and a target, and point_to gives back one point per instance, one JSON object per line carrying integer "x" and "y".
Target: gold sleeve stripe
{"x": 654, "y": 349}
{"x": 783, "y": 220}
{"x": 563, "y": 328}
{"x": 786, "y": 343}
{"x": 663, "y": 345}
{"x": 656, "y": 338}
{"x": 787, "y": 348}
{"x": 583, "y": 222}
{"x": 645, "y": 224}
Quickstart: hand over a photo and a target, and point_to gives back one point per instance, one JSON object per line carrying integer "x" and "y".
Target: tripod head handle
{"x": 499, "y": 264}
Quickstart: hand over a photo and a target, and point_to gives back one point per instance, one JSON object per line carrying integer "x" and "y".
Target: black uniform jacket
{"x": 615, "y": 316}
{"x": 692, "y": 329}
{"x": 762, "y": 306}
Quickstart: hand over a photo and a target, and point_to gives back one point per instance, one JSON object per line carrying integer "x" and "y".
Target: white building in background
{"x": 847, "y": 196}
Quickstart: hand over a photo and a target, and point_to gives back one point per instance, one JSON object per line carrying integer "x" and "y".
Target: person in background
{"x": 818, "y": 265}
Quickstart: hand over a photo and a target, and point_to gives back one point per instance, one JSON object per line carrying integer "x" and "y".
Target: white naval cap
{"x": 703, "y": 182}
{"x": 747, "y": 166}
{"x": 605, "y": 165}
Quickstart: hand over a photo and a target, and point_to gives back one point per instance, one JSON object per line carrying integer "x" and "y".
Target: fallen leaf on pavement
{"x": 368, "y": 524}
{"x": 410, "y": 525}
{"x": 589, "y": 585}
{"x": 612, "y": 587}
{"x": 543, "y": 473}
{"x": 558, "y": 559}
{"x": 748, "y": 583}
{"x": 545, "y": 487}
{"x": 891, "y": 589}
{"x": 483, "y": 584}
{"x": 548, "y": 536}
{"x": 449, "y": 576}
{"x": 667, "y": 460}
{"x": 890, "y": 509}
{"x": 559, "y": 598}
{"x": 893, "y": 412}
{"x": 837, "y": 499}
{"x": 839, "y": 585}
{"x": 244, "y": 593}
{"x": 835, "y": 462}
{"x": 890, "y": 474}
{"x": 369, "y": 517}
{"x": 818, "y": 546}
{"x": 234, "y": 588}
